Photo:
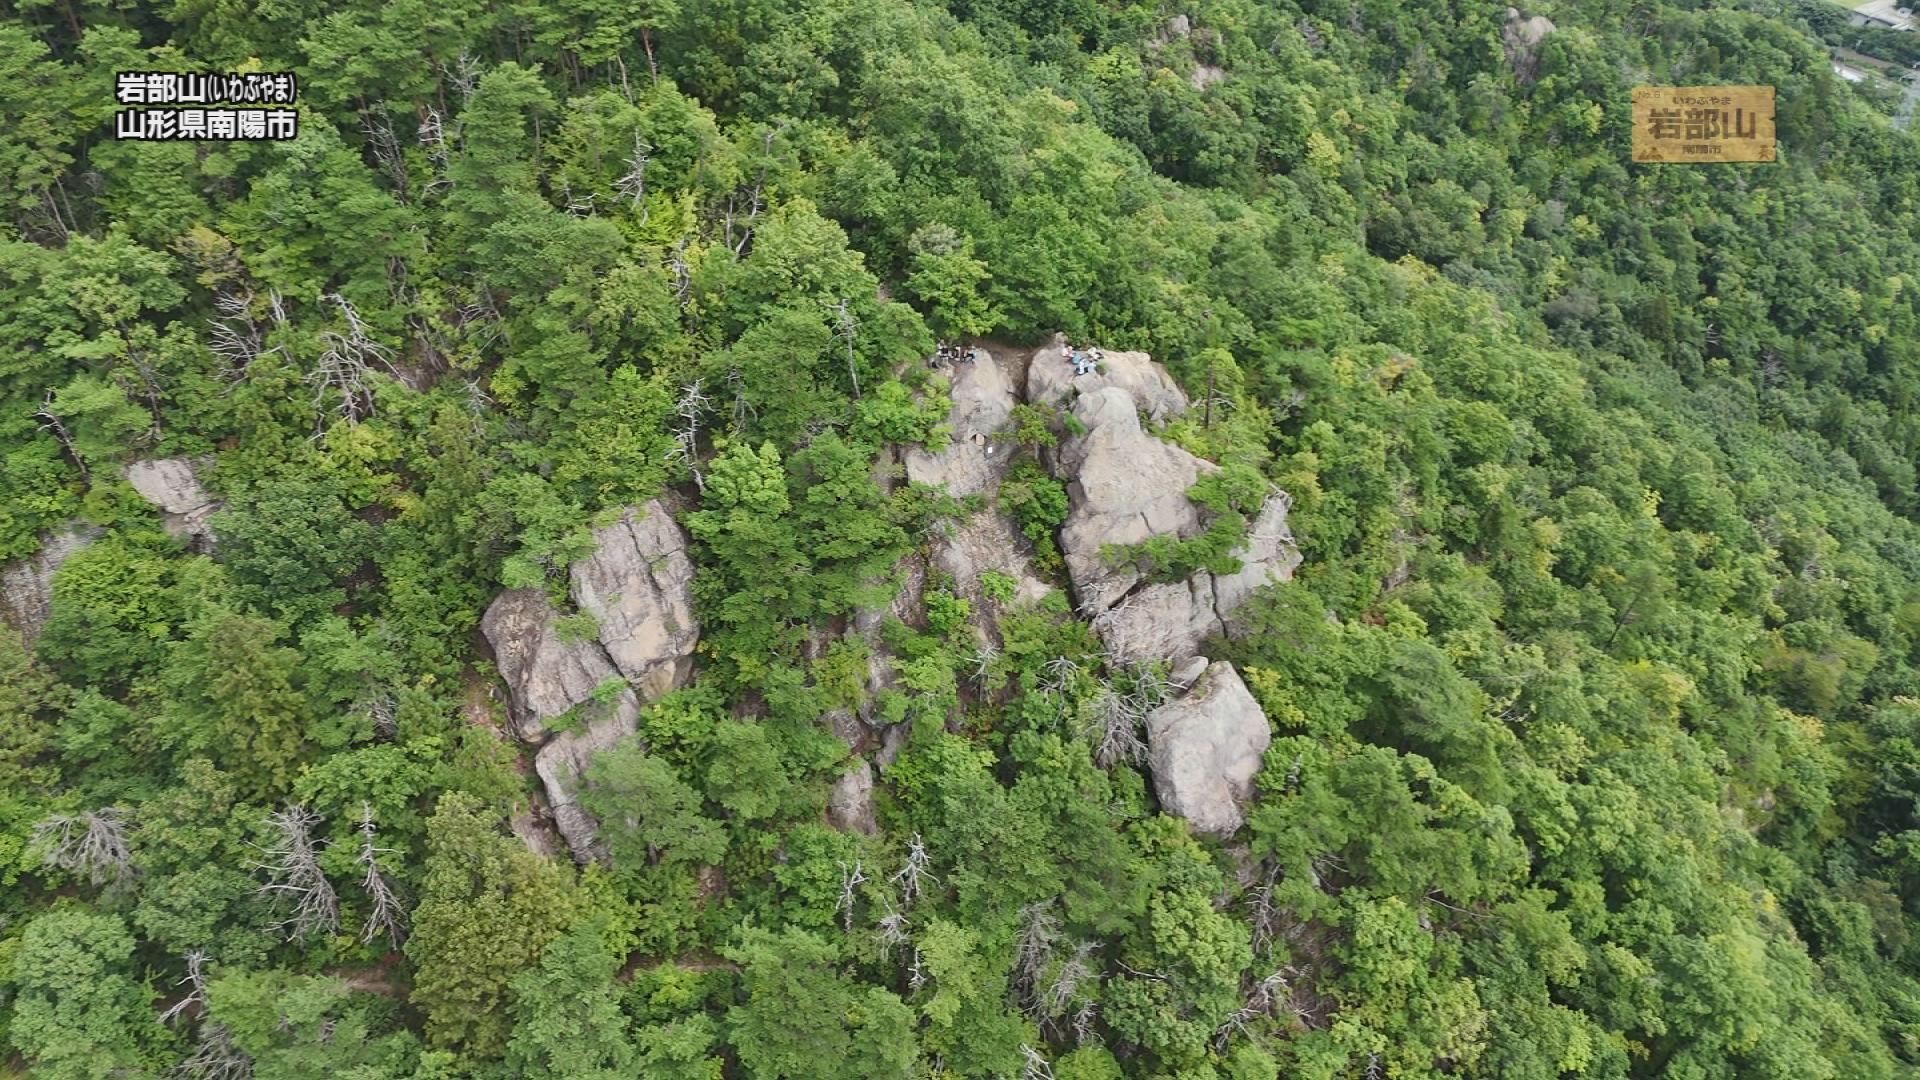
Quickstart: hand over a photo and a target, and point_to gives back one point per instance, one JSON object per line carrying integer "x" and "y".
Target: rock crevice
{"x": 638, "y": 586}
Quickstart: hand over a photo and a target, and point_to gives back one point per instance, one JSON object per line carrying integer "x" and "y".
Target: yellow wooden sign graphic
{"x": 1696, "y": 124}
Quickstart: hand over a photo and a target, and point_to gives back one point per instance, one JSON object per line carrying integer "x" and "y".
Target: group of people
{"x": 946, "y": 354}
{"x": 1085, "y": 361}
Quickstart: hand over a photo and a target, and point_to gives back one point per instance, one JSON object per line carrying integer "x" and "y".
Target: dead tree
{"x": 632, "y": 185}
{"x": 913, "y": 876}
{"x": 847, "y": 328}
{"x": 1034, "y": 951}
{"x": 433, "y": 140}
{"x": 388, "y": 916}
{"x": 293, "y": 865}
{"x": 1034, "y": 1066}
{"x": 1113, "y": 722}
{"x": 686, "y": 437}
{"x": 851, "y": 878}
{"x": 346, "y": 367}
{"x": 216, "y": 1057}
{"x": 238, "y": 338}
{"x": 93, "y": 843}
{"x": 377, "y": 124}
{"x": 50, "y": 421}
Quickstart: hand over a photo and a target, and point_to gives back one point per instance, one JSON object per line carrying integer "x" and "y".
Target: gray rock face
{"x": 1204, "y": 750}
{"x": 26, "y": 585}
{"x": 1124, "y": 486}
{"x": 1521, "y": 38}
{"x": 172, "y": 485}
{"x": 850, "y": 806}
{"x": 1051, "y": 381}
{"x": 546, "y": 674}
{"x": 974, "y": 463}
{"x": 1171, "y": 621}
{"x": 565, "y": 759}
{"x": 638, "y": 584}
{"x": 983, "y": 399}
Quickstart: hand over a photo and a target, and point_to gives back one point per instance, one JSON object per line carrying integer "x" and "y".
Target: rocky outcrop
{"x": 547, "y": 672}
{"x": 26, "y": 585}
{"x": 1051, "y": 381}
{"x": 1124, "y": 487}
{"x": 850, "y": 805}
{"x": 974, "y": 462}
{"x": 1521, "y": 38}
{"x": 1171, "y": 621}
{"x": 637, "y": 585}
{"x": 1204, "y": 750}
{"x": 566, "y": 757}
{"x": 173, "y": 486}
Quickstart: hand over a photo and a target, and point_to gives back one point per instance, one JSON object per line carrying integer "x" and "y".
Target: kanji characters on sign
{"x": 196, "y": 89}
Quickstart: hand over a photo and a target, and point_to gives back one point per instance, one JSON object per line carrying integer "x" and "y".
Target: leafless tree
{"x": 916, "y": 976}
{"x": 93, "y": 843}
{"x": 1038, "y": 930}
{"x": 893, "y": 927}
{"x": 983, "y": 660}
{"x": 377, "y": 124}
{"x": 913, "y": 876}
{"x": 851, "y": 878}
{"x": 50, "y": 421}
{"x": 388, "y": 916}
{"x": 237, "y": 337}
{"x": 632, "y": 185}
{"x": 1260, "y": 1001}
{"x": 464, "y": 75}
{"x": 1264, "y": 913}
{"x": 1075, "y": 970}
{"x": 346, "y": 367}
{"x": 1060, "y": 674}
{"x": 1083, "y": 1018}
{"x": 1035, "y": 1067}
{"x": 682, "y": 273}
{"x": 196, "y": 978}
{"x": 293, "y": 863}
{"x": 433, "y": 140}
{"x": 217, "y": 1057}
{"x": 847, "y": 329}
{"x": 1112, "y": 720}
{"x": 691, "y": 405}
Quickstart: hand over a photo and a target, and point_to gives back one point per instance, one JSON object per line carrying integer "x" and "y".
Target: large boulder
{"x": 983, "y": 396}
{"x": 638, "y": 584}
{"x": 1204, "y": 749}
{"x": 1124, "y": 486}
{"x": 1171, "y": 620}
{"x": 850, "y": 805}
{"x": 1051, "y": 381}
{"x": 1521, "y": 37}
{"x": 173, "y": 486}
{"x": 26, "y": 585}
{"x": 564, "y": 760}
{"x": 547, "y": 672}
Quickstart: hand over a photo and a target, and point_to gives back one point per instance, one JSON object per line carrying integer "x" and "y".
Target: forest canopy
{"x": 1588, "y": 713}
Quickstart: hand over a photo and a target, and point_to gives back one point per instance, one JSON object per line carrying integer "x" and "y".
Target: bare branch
{"x": 388, "y": 916}
{"x": 913, "y": 876}
{"x": 346, "y": 367}
{"x": 851, "y": 878}
{"x": 93, "y": 843}
{"x": 294, "y": 865}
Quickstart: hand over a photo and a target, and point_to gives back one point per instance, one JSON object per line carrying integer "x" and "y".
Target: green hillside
{"x": 1591, "y": 714}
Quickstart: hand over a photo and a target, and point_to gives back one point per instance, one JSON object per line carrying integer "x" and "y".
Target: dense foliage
{"x": 1597, "y": 721}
